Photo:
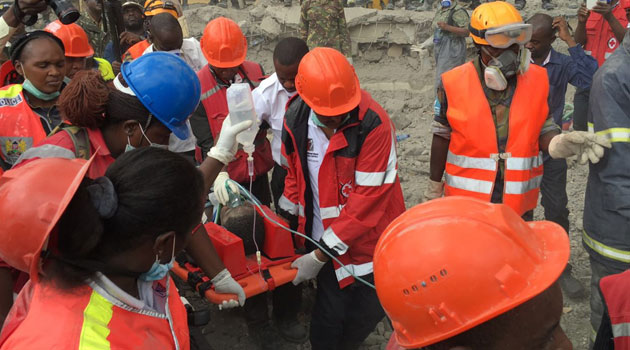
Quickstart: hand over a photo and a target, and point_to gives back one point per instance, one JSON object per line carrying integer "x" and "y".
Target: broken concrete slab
{"x": 395, "y": 50}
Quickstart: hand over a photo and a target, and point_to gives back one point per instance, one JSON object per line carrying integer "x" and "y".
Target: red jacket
{"x": 600, "y": 39}
{"x": 213, "y": 98}
{"x": 615, "y": 292}
{"x": 44, "y": 317}
{"x": 359, "y": 190}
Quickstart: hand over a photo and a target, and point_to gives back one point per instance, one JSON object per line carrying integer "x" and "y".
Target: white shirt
{"x": 152, "y": 295}
{"x": 317, "y": 146}
{"x": 270, "y": 100}
{"x": 192, "y": 54}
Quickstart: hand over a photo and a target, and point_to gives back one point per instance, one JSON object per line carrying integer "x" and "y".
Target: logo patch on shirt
{"x": 13, "y": 147}
{"x": 612, "y": 43}
{"x": 309, "y": 149}
{"x": 346, "y": 189}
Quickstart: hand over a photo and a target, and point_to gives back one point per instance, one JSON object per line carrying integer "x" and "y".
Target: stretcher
{"x": 275, "y": 264}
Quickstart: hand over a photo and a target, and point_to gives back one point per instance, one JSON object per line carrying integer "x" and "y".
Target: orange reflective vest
{"x": 615, "y": 292}
{"x": 473, "y": 158}
{"x": 20, "y": 126}
{"x": 44, "y": 317}
{"x": 136, "y": 50}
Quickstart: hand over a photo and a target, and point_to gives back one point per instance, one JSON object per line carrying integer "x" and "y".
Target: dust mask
{"x": 504, "y": 67}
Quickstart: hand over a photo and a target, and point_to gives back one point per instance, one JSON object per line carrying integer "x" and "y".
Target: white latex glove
{"x": 220, "y": 191}
{"x": 308, "y": 267}
{"x": 585, "y": 145}
{"x": 225, "y": 284}
{"x": 434, "y": 190}
{"x": 226, "y": 146}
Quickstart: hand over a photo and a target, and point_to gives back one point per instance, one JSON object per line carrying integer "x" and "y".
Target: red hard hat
{"x": 32, "y": 199}
{"x": 327, "y": 82}
{"x": 446, "y": 266}
{"x": 223, "y": 43}
{"x": 73, "y": 37}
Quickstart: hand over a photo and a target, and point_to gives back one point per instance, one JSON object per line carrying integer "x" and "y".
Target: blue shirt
{"x": 576, "y": 69}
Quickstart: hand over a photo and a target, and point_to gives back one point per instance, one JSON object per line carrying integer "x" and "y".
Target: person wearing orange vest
{"x": 28, "y": 111}
{"x": 614, "y": 329}
{"x": 339, "y": 149}
{"x": 79, "y": 53}
{"x": 151, "y": 8}
{"x": 225, "y": 48}
{"x": 600, "y": 31}
{"x": 494, "y": 119}
{"x": 461, "y": 273}
{"x": 99, "y": 251}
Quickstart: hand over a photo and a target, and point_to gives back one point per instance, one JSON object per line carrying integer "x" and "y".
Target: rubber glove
{"x": 308, "y": 267}
{"x": 434, "y": 190}
{"x": 585, "y": 145}
{"x": 226, "y": 146}
{"x": 220, "y": 191}
{"x": 225, "y": 284}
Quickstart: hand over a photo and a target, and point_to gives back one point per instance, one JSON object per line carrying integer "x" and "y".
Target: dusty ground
{"x": 404, "y": 86}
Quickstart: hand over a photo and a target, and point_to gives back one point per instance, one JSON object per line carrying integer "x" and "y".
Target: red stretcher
{"x": 275, "y": 269}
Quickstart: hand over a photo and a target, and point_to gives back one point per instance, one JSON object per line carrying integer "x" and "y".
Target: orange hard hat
{"x": 223, "y": 43}
{"x": 31, "y": 205}
{"x": 327, "y": 82}
{"x": 154, "y": 7}
{"x": 74, "y": 38}
{"x": 448, "y": 265}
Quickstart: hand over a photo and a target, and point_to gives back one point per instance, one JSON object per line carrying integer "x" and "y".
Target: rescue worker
{"x": 457, "y": 295}
{"x": 133, "y": 20}
{"x": 151, "y": 8}
{"x": 577, "y": 69}
{"x": 270, "y": 100}
{"x": 494, "y": 119}
{"x": 165, "y": 34}
{"x": 91, "y": 20}
{"x": 79, "y": 54}
{"x": 28, "y": 111}
{"x": 450, "y": 26}
{"x": 323, "y": 24}
{"x": 611, "y": 334}
{"x": 600, "y": 31}
{"x": 105, "y": 284}
{"x": 225, "y": 48}
{"x": 131, "y": 122}
{"x": 339, "y": 148}
{"x": 606, "y": 235}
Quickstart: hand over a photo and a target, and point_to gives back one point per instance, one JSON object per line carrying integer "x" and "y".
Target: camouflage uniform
{"x": 98, "y": 38}
{"x": 323, "y": 23}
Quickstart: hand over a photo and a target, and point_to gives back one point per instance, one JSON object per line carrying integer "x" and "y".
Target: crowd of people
{"x": 112, "y": 162}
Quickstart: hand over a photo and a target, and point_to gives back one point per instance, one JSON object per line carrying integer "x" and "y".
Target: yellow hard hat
{"x": 492, "y": 15}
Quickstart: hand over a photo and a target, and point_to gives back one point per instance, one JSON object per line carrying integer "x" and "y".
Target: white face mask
{"x": 505, "y": 64}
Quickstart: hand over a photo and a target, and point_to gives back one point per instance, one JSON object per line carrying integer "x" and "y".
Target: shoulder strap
{"x": 79, "y": 137}
{"x": 451, "y": 13}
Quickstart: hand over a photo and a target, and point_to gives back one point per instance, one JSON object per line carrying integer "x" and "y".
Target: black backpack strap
{"x": 79, "y": 137}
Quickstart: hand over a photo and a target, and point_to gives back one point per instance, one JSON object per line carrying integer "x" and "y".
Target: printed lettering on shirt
{"x": 10, "y": 101}
{"x": 310, "y": 152}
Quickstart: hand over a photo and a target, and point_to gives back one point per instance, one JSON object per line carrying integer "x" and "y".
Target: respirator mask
{"x": 505, "y": 66}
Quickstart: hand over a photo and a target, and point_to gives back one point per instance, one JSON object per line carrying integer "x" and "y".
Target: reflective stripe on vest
{"x": 330, "y": 212}
{"x": 604, "y": 250}
{"x": 614, "y": 290}
{"x": 616, "y": 134}
{"x": 375, "y": 179}
{"x": 333, "y": 241}
{"x": 96, "y": 315}
{"x": 46, "y": 151}
{"x": 621, "y": 330}
{"x": 472, "y": 161}
{"x": 351, "y": 269}
{"x": 294, "y": 209}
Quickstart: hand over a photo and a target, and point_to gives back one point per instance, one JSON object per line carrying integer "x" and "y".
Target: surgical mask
{"x": 322, "y": 125}
{"x": 129, "y": 147}
{"x": 445, "y": 3}
{"x": 37, "y": 93}
{"x": 159, "y": 271}
{"x": 503, "y": 67}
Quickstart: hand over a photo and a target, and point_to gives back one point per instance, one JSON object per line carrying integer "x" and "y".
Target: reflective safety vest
{"x": 473, "y": 157}
{"x": 214, "y": 100}
{"x": 600, "y": 38}
{"x": 615, "y": 292}
{"x": 44, "y": 317}
{"x": 136, "y": 50}
{"x": 20, "y": 126}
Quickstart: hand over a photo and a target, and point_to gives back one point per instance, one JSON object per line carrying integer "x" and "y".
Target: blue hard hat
{"x": 166, "y": 86}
